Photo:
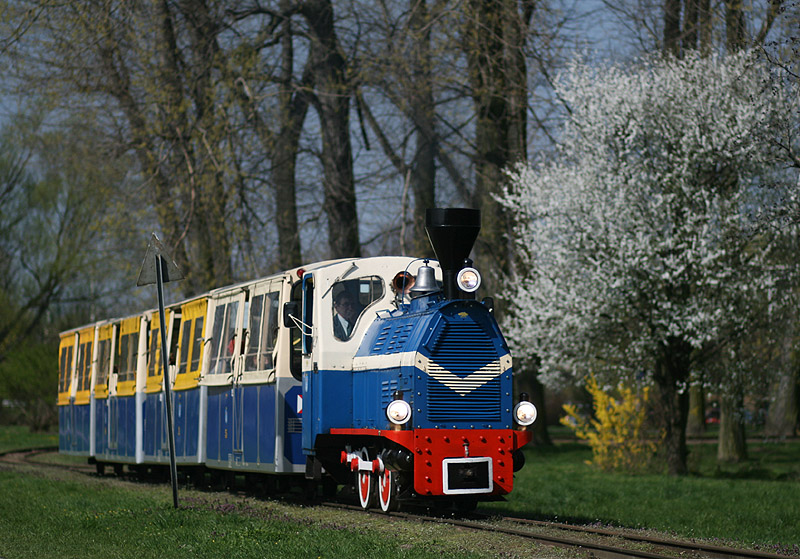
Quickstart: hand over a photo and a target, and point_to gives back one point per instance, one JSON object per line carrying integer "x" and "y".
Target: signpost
{"x": 159, "y": 268}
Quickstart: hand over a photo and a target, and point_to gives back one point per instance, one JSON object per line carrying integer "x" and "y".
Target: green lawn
{"x": 755, "y": 503}
{"x": 60, "y": 514}
{"x": 16, "y": 437}
{"x": 61, "y": 518}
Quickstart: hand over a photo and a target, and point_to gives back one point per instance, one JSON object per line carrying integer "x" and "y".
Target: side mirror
{"x": 488, "y": 302}
{"x": 291, "y": 310}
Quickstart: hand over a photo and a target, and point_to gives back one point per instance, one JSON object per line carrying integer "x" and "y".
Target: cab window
{"x": 350, "y": 299}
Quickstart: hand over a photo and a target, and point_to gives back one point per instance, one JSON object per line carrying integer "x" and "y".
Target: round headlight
{"x": 525, "y": 413}
{"x": 398, "y": 412}
{"x": 468, "y": 279}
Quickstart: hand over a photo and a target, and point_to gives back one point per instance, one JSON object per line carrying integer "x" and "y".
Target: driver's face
{"x": 346, "y": 307}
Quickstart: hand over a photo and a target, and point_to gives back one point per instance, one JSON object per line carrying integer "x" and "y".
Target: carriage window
{"x": 83, "y": 360}
{"x": 197, "y": 344}
{"x": 84, "y": 365}
{"x": 350, "y": 299}
{"x": 87, "y": 373}
{"x": 154, "y": 351}
{"x": 123, "y": 358}
{"x": 254, "y": 327}
{"x": 173, "y": 340}
{"x": 66, "y": 368}
{"x": 133, "y": 356}
{"x": 104, "y": 350}
{"x": 223, "y": 337}
{"x": 81, "y": 349}
{"x": 263, "y": 328}
{"x": 128, "y": 356}
{"x": 185, "y": 344}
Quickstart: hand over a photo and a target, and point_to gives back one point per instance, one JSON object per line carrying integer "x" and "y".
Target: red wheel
{"x": 365, "y": 485}
{"x": 387, "y": 490}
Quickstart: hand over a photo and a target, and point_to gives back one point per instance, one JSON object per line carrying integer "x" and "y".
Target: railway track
{"x": 599, "y": 543}
{"x": 29, "y": 456}
{"x": 592, "y": 542}
{"x": 672, "y": 548}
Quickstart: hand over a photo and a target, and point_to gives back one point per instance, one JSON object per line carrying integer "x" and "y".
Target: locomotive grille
{"x": 462, "y": 348}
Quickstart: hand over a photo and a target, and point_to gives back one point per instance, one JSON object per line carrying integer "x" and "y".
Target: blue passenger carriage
{"x": 253, "y": 402}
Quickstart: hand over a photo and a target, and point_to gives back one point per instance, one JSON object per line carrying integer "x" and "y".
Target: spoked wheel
{"x": 365, "y": 485}
{"x": 387, "y": 490}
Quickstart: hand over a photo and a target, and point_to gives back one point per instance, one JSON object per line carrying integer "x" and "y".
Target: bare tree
{"x": 55, "y": 194}
{"x": 494, "y": 41}
{"x": 332, "y": 90}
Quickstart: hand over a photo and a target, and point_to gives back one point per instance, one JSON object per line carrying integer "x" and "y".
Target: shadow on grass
{"x": 767, "y": 461}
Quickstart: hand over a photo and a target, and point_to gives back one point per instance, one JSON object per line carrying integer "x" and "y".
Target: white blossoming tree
{"x": 637, "y": 234}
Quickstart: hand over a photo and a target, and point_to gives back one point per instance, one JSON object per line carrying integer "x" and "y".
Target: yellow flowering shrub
{"x": 615, "y": 432}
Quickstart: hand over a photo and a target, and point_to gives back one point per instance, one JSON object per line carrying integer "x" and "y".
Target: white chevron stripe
{"x": 473, "y": 381}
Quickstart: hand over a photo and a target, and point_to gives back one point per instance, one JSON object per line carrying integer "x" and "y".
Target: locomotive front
{"x": 432, "y": 414}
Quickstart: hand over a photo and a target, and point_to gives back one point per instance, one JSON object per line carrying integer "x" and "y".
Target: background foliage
{"x": 257, "y": 135}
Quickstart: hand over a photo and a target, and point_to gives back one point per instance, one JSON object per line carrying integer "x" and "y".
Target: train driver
{"x": 347, "y": 311}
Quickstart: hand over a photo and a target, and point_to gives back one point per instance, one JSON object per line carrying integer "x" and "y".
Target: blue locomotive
{"x": 380, "y": 373}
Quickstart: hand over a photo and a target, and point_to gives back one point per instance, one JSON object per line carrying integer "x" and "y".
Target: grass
{"x": 111, "y": 522}
{"x": 755, "y": 503}
{"x": 57, "y": 513}
{"x": 14, "y": 437}
{"x": 60, "y": 518}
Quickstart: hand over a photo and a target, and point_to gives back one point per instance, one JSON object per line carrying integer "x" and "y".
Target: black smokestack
{"x": 452, "y": 232}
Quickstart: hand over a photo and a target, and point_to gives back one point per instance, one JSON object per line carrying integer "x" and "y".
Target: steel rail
{"x": 658, "y": 548}
{"x": 707, "y": 550}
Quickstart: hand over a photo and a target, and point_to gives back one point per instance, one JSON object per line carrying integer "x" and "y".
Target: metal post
{"x": 173, "y": 469}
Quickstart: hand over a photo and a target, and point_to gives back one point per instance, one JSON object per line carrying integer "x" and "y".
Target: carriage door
{"x": 226, "y": 369}
{"x": 66, "y": 369}
{"x": 310, "y": 397}
{"x": 256, "y": 398}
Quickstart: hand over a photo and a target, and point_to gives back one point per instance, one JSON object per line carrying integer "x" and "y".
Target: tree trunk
{"x": 208, "y": 233}
{"x": 782, "y": 417}
{"x": 118, "y": 85}
{"x": 189, "y": 189}
{"x": 494, "y": 41}
{"x": 672, "y": 27}
{"x": 332, "y": 92}
{"x": 734, "y": 25}
{"x": 671, "y": 404}
{"x": 423, "y": 114}
{"x": 690, "y": 26}
{"x": 731, "y": 445}
{"x": 704, "y": 26}
{"x": 696, "y": 422}
{"x": 293, "y": 106}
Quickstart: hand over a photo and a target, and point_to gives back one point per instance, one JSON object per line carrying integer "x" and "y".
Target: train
{"x": 384, "y": 375}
